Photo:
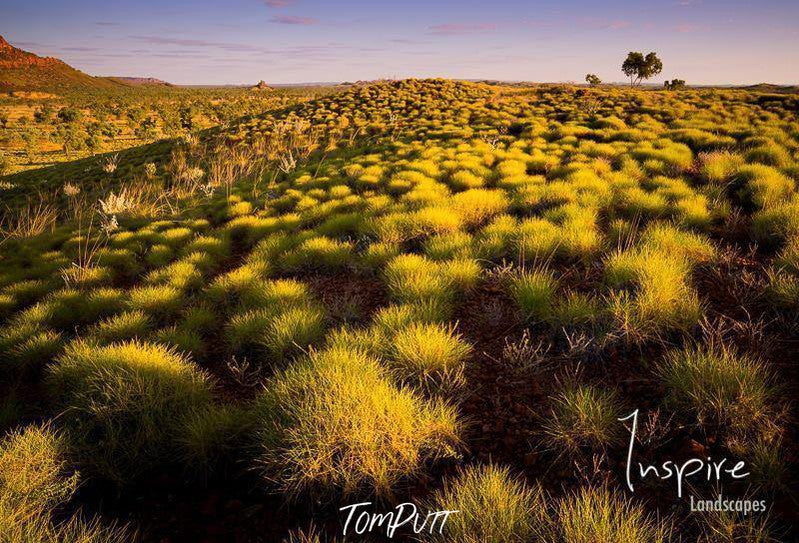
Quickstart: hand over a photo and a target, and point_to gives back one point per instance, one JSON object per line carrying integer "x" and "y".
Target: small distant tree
{"x": 31, "y": 136}
{"x": 94, "y": 143}
{"x": 42, "y": 114}
{"x": 135, "y": 115}
{"x": 71, "y": 138}
{"x": 3, "y": 120}
{"x": 5, "y": 164}
{"x": 69, "y": 115}
{"x": 109, "y": 130}
{"x": 674, "y": 84}
{"x": 639, "y": 67}
{"x": 186, "y": 113}
{"x": 147, "y": 129}
{"x": 593, "y": 80}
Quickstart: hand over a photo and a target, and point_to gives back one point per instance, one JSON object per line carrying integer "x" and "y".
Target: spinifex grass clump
{"x": 27, "y": 342}
{"x": 239, "y": 288}
{"x": 575, "y": 309}
{"x": 777, "y": 223}
{"x": 534, "y": 292}
{"x": 476, "y": 206}
{"x": 651, "y": 286}
{"x": 121, "y": 327}
{"x": 183, "y": 275}
{"x": 161, "y": 302}
{"x": 764, "y": 186}
{"x": 34, "y": 473}
{"x": 661, "y": 298}
{"x": 286, "y": 322}
{"x": 35, "y": 483}
{"x": 719, "y": 166}
{"x": 334, "y": 423}
{"x": 126, "y": 403}
{"x": 724, "y": 526}
{"x": 393, "y": 318}
{"x": 319, "y": 253}
{"x": 293, "y": 330}
{"x": 449, "y": 246}
{"x": 431, "y": 355}
{"x": 493, "y": 506}
{"x": 70, "y": 308}
{"x": 413, "y": 278}
{"x": 720, "y": 388}
{"x": 214, "y": 437}
{"x": 784, "y": 275}
{"x": 584, "y": 416}
{"x": 599, "y": 514}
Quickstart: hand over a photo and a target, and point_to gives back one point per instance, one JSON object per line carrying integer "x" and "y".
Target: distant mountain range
{"x": 141, "y": 81}
{"x": 24, "y": 71}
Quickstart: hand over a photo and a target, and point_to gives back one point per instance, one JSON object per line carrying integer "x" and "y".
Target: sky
{"x": 292, "y": 41}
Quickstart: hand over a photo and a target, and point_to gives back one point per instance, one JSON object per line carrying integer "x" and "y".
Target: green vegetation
{"x": 423, "y": 290}
{"x": 528, "y": 514}
{"x": 584, "y": 416}
{"x": 720, "y": 388}
{"x": 36, "y": 480}
{"x": 638, "y": 67}
{"x": 599, "y": 514}
{"x": 517, "y": 510}
{"x": 127, "y": 401}
{"x": 333, "y": 422}
{"x": 79, "y": 120}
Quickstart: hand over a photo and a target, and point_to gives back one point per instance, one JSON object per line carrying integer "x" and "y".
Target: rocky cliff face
{"x": 11, "y": 57}
{"x": 21, "y": 70}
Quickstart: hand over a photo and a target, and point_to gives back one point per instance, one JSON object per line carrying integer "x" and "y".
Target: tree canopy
{"x": 593, "y": 80}
{"x": 639, "y": 67}
{"x": 674, "y": 84}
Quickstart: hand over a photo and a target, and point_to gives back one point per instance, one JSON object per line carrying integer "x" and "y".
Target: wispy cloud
{"x": 29, "y": 44}
{"x": 106, "y": 23}
{"x": 618, "y": 25}
{"x": 603, "y": 24}
{"x": 293, "y": 20}
{"x": 689, "y": 28}
{"x": 278, "y": 3}
{"x": 238, "y": 47}
{"x": 180, "y": 55}
{"x": 450, "y": 29}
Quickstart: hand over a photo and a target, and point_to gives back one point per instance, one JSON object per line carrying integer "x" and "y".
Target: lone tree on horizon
{"x": 674, "y": 84}
{"x": 593, "y": 80}
{"x": 639, "y": 67}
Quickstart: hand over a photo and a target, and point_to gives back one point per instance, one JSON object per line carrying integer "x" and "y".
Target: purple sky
{"x": 285, "y": 41}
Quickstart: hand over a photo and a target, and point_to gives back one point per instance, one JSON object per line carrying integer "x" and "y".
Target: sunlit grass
{"x": 334, "y": 423}
{"x": 720, "y": 388}
{"x": 599, "y": 514}
{"x": 430, "y": 355}
{"x": 125, "y": 401}
{"x": 584, "y": 416}
{"x": 493, "y": 505}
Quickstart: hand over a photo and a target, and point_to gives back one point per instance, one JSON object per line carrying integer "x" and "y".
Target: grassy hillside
{"x": 40, "y": 129}
{"x": 436, "y": 291}
{"x": 51, "y": 77}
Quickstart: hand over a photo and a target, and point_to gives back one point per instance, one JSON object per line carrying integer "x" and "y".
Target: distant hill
{"x": 769, "y": 87}
{"x": 141, "y": 81}
{"x": 24, "y": 71}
